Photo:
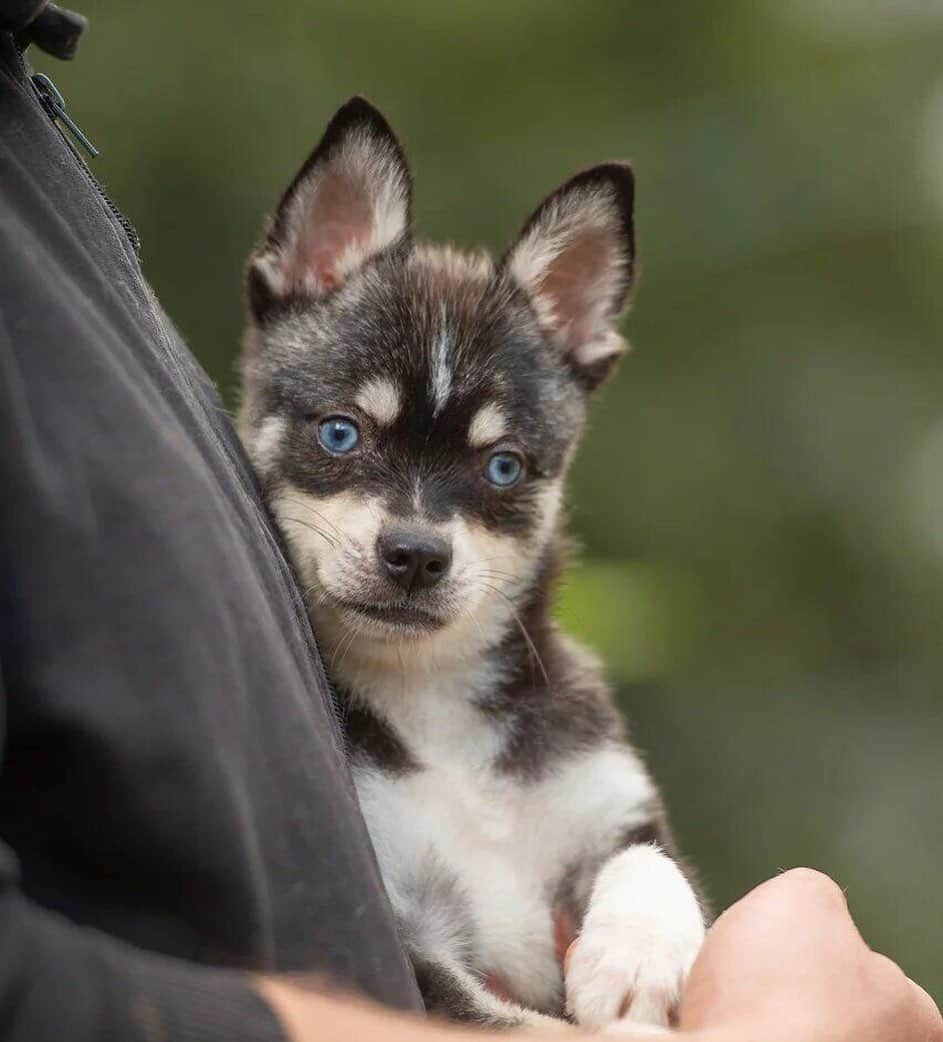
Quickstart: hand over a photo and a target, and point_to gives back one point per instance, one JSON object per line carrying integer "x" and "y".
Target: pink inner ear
{"x": 578, "y": 284}
{"x": 331, "y": 221}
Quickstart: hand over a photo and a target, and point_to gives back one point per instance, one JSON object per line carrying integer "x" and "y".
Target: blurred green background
{"x": 760, "y": 498}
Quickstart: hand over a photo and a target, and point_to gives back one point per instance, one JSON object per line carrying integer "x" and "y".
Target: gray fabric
{"x": 173, "y": 778}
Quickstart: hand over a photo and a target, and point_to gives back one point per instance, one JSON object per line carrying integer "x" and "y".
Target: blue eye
{"x": 504, "y": 469}
{"x": 338, "y": 435}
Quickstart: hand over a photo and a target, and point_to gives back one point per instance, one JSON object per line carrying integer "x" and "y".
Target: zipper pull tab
{"x": 54, "y": 103}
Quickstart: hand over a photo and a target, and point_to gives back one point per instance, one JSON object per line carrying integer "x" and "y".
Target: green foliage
{"x": 643, "y": 620}
{"x": 761, "y": 494}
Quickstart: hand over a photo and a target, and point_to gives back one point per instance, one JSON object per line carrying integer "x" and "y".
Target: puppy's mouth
{"x": 396, "y": 616}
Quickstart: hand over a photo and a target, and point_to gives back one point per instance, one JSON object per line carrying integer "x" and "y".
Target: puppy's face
{"x": 411, "y": 411}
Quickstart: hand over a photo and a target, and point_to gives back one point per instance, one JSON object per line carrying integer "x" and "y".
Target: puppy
{"x": 412, "y": 412}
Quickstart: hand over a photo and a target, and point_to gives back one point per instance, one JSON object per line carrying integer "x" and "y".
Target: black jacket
{"x": 173, "y": 796}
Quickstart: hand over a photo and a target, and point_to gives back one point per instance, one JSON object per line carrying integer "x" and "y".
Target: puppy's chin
{"x": 344, "y": 615}
{"x": 391, "y": 621}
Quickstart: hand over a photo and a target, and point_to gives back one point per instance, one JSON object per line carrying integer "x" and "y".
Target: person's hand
{"x": 787, "y": 964}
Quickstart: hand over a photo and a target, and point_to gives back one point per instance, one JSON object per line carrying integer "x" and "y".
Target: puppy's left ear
{"x": 575, "y": 258}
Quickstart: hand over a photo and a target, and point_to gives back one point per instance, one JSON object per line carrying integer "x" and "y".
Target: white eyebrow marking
{"x": 380, "y": 398}
{"x": 487, "y": 426}
{"x": 440, "y": 376}
{"x": 264, "y": 445}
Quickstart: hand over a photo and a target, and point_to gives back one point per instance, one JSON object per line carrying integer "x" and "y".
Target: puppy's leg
{"x": 641, "y": 933}
{"x": 451, "y": 991}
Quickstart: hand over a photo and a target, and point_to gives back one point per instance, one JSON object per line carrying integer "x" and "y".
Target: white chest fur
{"x": 439, "y": 820}
{"x": 503, "y": 842}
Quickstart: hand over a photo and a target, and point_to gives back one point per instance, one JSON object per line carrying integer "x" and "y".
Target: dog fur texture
{"x": 508, "y": 813}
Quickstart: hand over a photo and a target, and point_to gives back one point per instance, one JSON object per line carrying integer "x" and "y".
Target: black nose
{"x": 413, "y": 560}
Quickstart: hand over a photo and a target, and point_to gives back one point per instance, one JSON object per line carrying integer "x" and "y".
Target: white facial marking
{"x": 380, "y": 399}
{"x": 487, "y": 426}
{"x": 332, "y": 538}
{"x": 440, "y": 376}
{"x": 265, "y": 442}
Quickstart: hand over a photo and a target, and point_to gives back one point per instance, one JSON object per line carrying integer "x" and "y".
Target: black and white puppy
{"x": 412, "y": 412}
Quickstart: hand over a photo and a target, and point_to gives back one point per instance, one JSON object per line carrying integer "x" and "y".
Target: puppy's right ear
{"x": 350, "y": 202}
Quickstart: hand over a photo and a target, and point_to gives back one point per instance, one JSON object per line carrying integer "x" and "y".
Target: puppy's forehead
{"x": 441, "y": 343}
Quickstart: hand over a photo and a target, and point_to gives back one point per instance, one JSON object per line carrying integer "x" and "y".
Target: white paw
{"x": 642, "y": 933}
{"x": 616, "y": 976}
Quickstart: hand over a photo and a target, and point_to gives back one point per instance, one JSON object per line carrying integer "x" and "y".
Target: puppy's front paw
{"x": 637, "y": 945}
{"x": 616, "y": 974}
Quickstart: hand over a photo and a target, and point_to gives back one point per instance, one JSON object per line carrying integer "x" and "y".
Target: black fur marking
{"x": 440, "y": 907}
{"x": 650, "y": 832}
{"x": 553, "y": 707}
{"x": 575, "y": 887}
{"x": 548, "y": 726}
{"x": 372, "y": 740}
{"x": 445, "y": 994}
{"x": 590, "y": 375}
{"x": 261, "y": 301}
{"x": 439, "y": 918}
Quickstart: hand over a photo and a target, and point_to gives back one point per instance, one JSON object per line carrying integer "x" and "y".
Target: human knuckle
{"x": 813, "y": 883}
{"x": 884, "y": 979}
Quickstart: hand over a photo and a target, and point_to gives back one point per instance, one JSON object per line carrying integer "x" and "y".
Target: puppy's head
{"x": 411, "y": 410}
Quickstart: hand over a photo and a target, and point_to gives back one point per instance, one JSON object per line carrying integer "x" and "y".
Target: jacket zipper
{"x": 55, "y": 107}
